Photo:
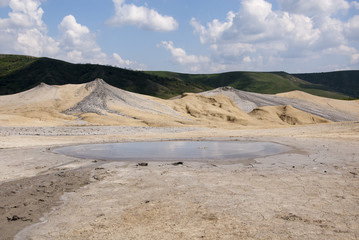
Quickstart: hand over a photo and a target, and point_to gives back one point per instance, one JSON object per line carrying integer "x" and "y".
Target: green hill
{"x": 11, "y": 63}
{"x": 19, "y": 73}
{"x": 346, "y": 82}
{"x": 56, "y": 72}
{"x": 260, "y": 82}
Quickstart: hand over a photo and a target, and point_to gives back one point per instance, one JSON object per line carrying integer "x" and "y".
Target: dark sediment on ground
{"x": 23, "y": 202}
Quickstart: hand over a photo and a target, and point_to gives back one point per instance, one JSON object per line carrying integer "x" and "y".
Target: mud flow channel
{"x": 175, "y": 150}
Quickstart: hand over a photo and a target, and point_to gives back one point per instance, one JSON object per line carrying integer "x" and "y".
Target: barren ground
{"x": 311, "y": 192}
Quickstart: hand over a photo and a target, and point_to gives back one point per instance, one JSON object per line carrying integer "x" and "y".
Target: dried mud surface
{"x": 311, "y": 192}
{"x": 25, "y": 201}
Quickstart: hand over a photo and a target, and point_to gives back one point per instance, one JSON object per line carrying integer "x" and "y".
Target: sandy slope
{"x": 97, "y": 103}
{"x": 286, "y": 115}
{"x": 41, "y": 105}
{"x": 330, "y": 109}
{"x": 212, "y": 110}
{"x": 83, "y": 104}
{"x": 349, "y": 107}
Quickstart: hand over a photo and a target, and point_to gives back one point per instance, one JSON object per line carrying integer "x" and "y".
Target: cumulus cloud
{"x": 255, "y": 23}
{"x": 181, "y": 56}
{"x": 266, "y": 39}
{"x": 24, "y": 32}
{"x": 34, "y": 42}
{"x": 26, "y": 13}
{"x": 73, "y": 32}
{"x": 214, "y": 29}
{"x": 142, "y": 17}
{"x": 191, "y": 62}
{"x": 125, "y": 63}
{"x": 78, "y": 43}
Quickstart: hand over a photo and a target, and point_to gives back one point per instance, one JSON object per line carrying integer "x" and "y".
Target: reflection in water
{"x": 175, "y": 150}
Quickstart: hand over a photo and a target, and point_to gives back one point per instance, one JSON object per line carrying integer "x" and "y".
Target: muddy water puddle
{"x": 175, "y": 150}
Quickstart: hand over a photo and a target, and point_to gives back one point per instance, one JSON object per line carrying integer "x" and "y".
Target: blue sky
{"x": 196, "y": 36}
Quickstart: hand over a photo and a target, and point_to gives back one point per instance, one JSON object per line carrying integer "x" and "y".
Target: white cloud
{"x": 33, "y": 42}
{"x": 247, "y": 59}
{"x": 352, "y": 28}
{"x": 78, "y": 42}
{"x": 191, "y": 62}
{"x": 141, "y": 16}
{"x": 346, "y": 51}
{"x": 73, "y": 32}
{"x": 256, "y": 23}
{"x": 24, "y": 32}
{"x": 314, "y": 8}
{"x": 215, "y": 28}
{"x": 256, "y": 36}
{"x": 122, "y": 62}
{"x": 26, "y": 13}
{"x": 342, "y": 49}
{"x": 181, "y": 56}
{"x": 75, "y": 55}
{"x": 79, "y": 45}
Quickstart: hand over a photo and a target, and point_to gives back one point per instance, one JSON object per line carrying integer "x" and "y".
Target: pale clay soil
{"x": 98, "y": 103}
{"x": 311, "y": 192}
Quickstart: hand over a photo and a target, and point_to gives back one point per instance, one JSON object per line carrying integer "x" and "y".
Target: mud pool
{"x": 174, "y": 150}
